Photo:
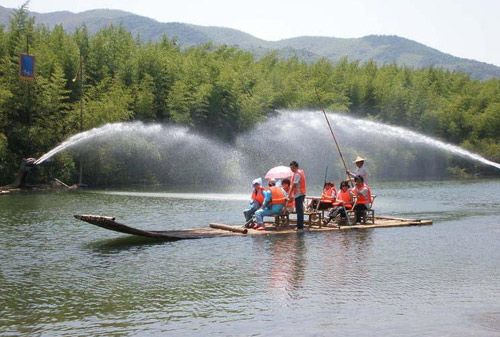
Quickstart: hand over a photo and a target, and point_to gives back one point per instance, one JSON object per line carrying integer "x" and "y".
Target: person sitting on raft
{"x": 342, "y": 203}
{"x": 327, "y": 197}
{"x": 363, "y": 196}
{"x": 257, "y": 199}
{"x": 274, "y": 202}
{"x": 290, "y": 205}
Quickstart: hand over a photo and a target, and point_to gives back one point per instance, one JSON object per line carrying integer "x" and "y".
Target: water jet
{"x": 180, "y": 155}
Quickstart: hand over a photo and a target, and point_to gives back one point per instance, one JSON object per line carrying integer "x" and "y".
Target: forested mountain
{"x": 219, "y": 91}
{"x": 382, "y": 49}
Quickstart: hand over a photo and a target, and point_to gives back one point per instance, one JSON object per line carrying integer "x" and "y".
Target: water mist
{"x": 303, "y": 136}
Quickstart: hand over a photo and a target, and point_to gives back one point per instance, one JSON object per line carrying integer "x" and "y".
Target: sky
{"x": 463, "y": 28}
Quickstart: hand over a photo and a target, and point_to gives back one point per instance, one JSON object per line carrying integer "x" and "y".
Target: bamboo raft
{"x": 221, "y": 230}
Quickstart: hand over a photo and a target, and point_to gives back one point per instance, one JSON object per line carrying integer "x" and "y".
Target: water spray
{"x": 180, "y": 151}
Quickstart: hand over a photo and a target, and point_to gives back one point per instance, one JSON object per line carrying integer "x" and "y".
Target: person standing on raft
{"x": 361, "y": 171}
{"x": 257, "y": 199}
{"x": 298, "y": 190}
{"x": 274, "y": 202}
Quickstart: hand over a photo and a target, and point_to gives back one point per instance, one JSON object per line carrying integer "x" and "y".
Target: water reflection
{"x": 288, "y": 259}
{"x": 341, "y": 264}
{"x": 489, "y": 320}
{"x": 115, "y": 246}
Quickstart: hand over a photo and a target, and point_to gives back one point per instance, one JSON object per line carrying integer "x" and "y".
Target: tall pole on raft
{"x": 333, "y": 135}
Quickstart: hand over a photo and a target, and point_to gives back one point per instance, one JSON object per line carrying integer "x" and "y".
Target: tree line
{"x": 218, "y": 90}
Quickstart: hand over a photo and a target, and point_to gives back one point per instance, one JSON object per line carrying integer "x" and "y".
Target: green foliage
{"x": 382, "y": 49}
{"x": 3, "y": 152}
{"x": 107, "y": 102}
{"x": 218, "y": 90}
{"x": 49, "y": 105}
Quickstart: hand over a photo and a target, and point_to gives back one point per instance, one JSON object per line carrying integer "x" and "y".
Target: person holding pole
{"x": 298, "y": 190}
{"x": 361, "y": 171}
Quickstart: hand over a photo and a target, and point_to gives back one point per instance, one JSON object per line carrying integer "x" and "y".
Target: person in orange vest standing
{"x": 298, "y": 190}
{"x": 363, "y": 196}
{"x": 257, "y": 199}
{"x": 274, "y": 202}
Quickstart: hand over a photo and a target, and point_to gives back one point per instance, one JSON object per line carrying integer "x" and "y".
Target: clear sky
{"x": 464, "y": 28}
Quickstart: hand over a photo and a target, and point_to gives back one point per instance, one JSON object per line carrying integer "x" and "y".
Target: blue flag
{"x": 27, "y": 66}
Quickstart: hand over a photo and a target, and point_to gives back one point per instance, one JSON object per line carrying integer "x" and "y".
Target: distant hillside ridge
{"x": 384, "y": 49}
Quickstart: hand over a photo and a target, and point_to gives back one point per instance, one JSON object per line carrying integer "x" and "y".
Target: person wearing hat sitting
{"x": 257, "y": 199}
{"x": 361, "y": 171}
{"x": 274, "y": 202}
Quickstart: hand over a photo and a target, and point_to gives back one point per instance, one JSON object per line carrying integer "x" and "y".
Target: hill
{"x": 382, "y": 49}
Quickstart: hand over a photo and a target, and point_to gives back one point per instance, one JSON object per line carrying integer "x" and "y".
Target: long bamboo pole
{"x": 333, "y": 135}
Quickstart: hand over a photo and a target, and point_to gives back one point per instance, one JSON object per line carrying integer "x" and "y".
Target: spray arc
{"x": 300, "y": 134}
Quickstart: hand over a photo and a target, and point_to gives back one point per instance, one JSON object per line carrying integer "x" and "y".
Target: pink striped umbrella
{"x": 279, "y": 172}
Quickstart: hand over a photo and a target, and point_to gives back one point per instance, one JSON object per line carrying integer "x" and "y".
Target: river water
{"x": 63, "y": 277}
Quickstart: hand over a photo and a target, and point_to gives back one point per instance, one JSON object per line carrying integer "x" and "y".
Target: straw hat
{"x": 358, "y": 158}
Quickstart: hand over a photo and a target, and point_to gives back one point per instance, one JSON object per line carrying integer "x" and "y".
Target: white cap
{"x": 257, "y": 181}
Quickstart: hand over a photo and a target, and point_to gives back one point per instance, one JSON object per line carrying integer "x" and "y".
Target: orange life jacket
{"x": 258, "y": 196}
{"x": 302, "y": 181}
{"x": 329, "y": 192}
{"x": 334, "y": 195}
{"x": 291, "y": 201}
{"x": 277, "y": 196}
{"x": 334, "y": 191}
{"x": 361, "y": 198}
{"x": 345, "y": 197}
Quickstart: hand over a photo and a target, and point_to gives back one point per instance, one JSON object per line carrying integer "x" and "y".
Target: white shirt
{"x": 296, "y": 182}
{"x": 360, "y": 172}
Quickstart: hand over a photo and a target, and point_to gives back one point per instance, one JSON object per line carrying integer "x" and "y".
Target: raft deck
{"x": 221, "y": 230}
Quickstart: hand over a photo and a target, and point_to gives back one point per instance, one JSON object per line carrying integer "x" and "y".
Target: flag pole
{"x": 80, "y": 178}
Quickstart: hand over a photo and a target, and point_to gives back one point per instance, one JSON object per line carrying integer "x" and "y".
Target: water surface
{"x": 63, "y": 277}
